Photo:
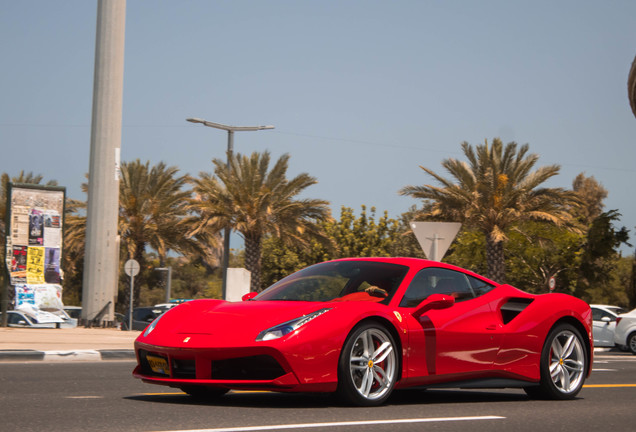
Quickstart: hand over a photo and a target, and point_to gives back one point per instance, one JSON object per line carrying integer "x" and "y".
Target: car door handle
{"x": 491, "y": 327}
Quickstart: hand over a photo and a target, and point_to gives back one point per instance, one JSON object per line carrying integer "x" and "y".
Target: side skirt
{"x": 483, "y": 383}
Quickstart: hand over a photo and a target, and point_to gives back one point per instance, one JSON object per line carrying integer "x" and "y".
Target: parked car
{"x": 142, "y": 316}
{"x": 20, "y": 319}
{"x": 604, "y": 323}
{"x": 74, "y": 311}
{"x": 625, "y": 333}
{"x": 363, "y": 327}
{"x": 68, "y": 321}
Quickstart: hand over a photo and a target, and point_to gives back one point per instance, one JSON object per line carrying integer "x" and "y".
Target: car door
{"x": 461, "y": 339}
{"x": 603, "y": 327}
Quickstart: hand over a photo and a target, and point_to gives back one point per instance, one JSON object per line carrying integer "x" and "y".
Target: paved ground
{"x": 24, "y": 344}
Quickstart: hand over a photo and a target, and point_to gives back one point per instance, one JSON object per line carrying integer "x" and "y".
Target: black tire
{"x": 631, "y": 343}
{"x": 564, "y": 352}
{"x": 203, "y": 392}
{"x": 366, "y": 377}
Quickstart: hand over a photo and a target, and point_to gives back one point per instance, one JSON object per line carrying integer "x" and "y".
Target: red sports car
{"x": 364, "y": 327}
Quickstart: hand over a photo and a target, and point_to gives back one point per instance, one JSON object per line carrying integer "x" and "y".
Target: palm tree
{"x": 494, "y": 191}
{"x": 153, "y": 212}
{"x": 256, "y": 201}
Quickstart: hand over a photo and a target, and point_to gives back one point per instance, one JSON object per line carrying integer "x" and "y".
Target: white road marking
{"x": 346, "y": 423}
{"x": 621, "y": 358}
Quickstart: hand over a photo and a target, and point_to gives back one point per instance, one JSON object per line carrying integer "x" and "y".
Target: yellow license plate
{"x": 158, "y": 364}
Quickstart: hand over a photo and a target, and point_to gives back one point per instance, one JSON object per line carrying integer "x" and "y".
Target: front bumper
{"x": 251, "y": 368}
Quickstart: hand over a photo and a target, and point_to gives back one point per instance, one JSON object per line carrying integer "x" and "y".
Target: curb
{"x": 66, "y": 356}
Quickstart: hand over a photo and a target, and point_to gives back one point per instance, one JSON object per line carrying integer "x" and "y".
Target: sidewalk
{"x": 76, "y": 344}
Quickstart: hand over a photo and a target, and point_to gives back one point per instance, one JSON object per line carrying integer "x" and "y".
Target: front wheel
{"x": 563, "y": 365}
{"x": 368, "y": 366}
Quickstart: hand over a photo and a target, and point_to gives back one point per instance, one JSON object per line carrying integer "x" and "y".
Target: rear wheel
{"x": 203, "y": 392}
{"x": 563, "y": 365}
{"x": 368, "y": 366}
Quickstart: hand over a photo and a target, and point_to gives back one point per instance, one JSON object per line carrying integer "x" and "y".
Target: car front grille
{"x": 251, "y": 368}
{"x": 184, "y": 368}
{"x": 254, "y": 368}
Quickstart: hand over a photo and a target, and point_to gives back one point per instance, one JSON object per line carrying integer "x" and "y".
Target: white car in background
{"x": 625, "y": 333}
{"x": 604, "y": 319}
{"x": 43, "y": 320}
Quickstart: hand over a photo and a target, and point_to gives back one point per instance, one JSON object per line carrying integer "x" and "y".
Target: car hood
{"x": 257, "y": 315}
{"x": 227, "y": 323}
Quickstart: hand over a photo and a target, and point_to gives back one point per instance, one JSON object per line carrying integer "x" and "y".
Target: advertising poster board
{"x": 34, "y": 244}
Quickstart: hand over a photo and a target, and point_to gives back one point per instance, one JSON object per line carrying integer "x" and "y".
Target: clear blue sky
{"x": 361, "y": 92}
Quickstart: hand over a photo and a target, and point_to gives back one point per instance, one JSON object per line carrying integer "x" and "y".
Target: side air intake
{"x": 513, "y": 307}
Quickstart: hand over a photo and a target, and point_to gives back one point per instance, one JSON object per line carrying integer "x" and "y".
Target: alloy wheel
{"x": 372, "y": 363}
{"x": 567, "y": 362}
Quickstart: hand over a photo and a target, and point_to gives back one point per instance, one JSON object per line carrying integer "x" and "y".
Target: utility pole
{"x": 101, "y": 262}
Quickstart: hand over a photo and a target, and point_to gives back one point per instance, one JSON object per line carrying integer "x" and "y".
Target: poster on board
{"x": 34, "y": 244}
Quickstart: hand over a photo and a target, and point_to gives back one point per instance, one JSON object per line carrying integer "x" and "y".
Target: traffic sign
{"x": 435, "y": 237}
{"x": 131, "y": 267}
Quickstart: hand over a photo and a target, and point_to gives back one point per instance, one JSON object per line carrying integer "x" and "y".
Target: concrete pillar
{"x": 101, "y": 264}
{"x": 238, "y": 283}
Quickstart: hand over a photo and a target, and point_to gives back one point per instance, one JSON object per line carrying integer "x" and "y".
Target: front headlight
{"x": 152, "y": 325}
{"x": 289, "y": 326}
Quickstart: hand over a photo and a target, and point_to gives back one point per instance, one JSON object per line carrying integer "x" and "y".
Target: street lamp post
{"x": 230, "y": 149}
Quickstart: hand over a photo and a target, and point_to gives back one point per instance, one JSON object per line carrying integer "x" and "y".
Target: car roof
{"x": 418, "y": 263}
{"x": 607, "y": 307}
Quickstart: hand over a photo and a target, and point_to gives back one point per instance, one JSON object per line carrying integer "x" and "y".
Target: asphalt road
{"x": 102, "y": 396}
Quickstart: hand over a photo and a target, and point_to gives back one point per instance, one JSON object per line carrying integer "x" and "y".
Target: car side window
{"x": 599, "y": 314}
{"x": 434, "y": 280}
{"x": 479, "y": 286}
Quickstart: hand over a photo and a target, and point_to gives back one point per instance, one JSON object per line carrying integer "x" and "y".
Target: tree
{"x": 153, "y": 210}
{"x": 73, "y": 247}
{"x": 600, "y": 256}
{"x": 493, "y": 192}
{"x": 153, "y": 213}
{"x": 351, "y": 236}
{"x": 591, "y": 195}
{"x": 362, "y": 236}
{"x": 256, "y": 201}
{"x": 468, "y": 250}
{"x": 537, "y": 253}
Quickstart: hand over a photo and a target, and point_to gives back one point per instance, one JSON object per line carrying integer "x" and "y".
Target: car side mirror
{"x": 434, "y": 301}
{"x": 22, "y": 322}
{"x": 606, "y": 319}
{"x": 249, "y": 296}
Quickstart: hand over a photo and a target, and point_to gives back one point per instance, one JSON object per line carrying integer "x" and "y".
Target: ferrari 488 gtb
{"x": 366, "y": 326}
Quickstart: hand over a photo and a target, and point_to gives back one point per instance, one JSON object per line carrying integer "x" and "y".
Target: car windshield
{"x": 339, "y": 281}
